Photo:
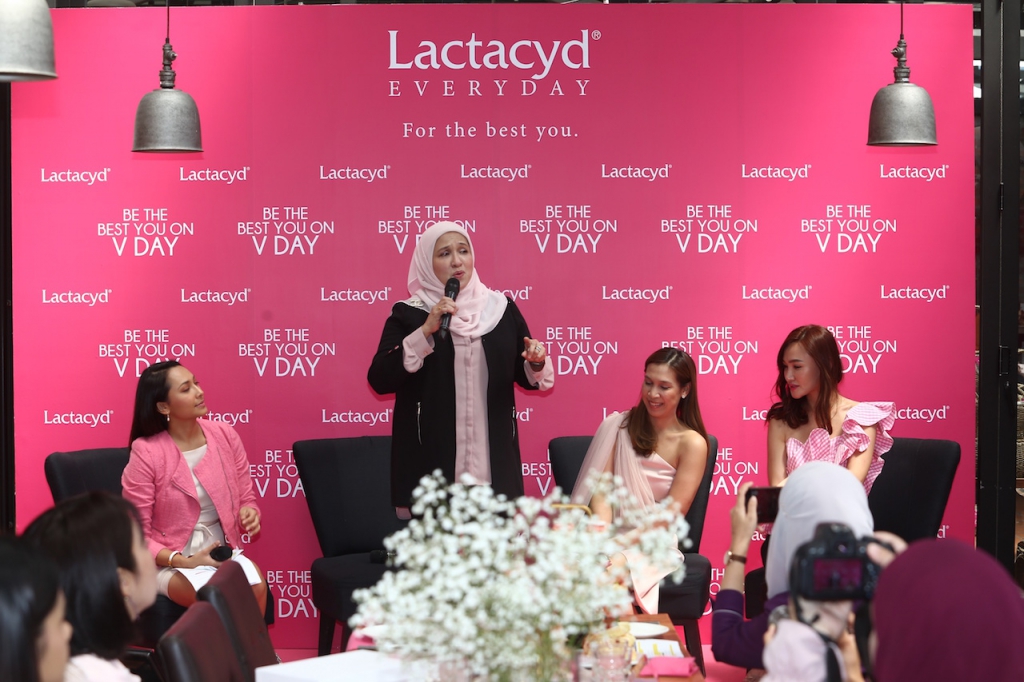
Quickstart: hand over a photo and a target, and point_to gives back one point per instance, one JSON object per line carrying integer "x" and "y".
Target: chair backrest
{"x": 347, "y": 482}
{"x": 909, "y": 496}
{"x": 197, "y": 649}
{"x": 699, "y": 506}
{"x": 82, "y": 471}
{"x": 231, "y": 596}
{"x": 566, "y": 454}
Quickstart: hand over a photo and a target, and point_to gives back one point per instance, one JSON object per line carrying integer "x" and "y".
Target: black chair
{"x": 72, "y": 473}
{"x": 197, "y": 648}
{"x": 348, "y": 489}
{"x": 909, "y": 496}
{"x": 231, "y": 596}
{"x": 566, "y": 455}
{"x": 683, "y": 602}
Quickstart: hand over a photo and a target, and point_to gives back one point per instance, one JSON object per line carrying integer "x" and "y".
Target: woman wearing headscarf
{"x": 817, "y": 492}
{"x": 946, "y": 611}
{"x": 454, "y": 392}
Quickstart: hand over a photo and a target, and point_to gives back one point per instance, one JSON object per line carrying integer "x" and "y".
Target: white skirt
{"x": 203, "y": 535}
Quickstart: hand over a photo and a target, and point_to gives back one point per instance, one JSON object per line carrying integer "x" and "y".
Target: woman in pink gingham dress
{"x": 813, "y": 422}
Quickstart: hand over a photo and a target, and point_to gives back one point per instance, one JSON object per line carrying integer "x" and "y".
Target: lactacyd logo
{"x": 368, "y": 296}
{"x": 90, "y": 419}
{"x": 83, "y": 176}
{"x": 352, "y": 173}
{"x": 631, "y": 294}
{"x": 518, "y": 294}
{"x": 89, "y": 298}
{"x": 355, "y": 417}
{"x": 649, "y": 173}
{"x": 790, "y": 173}
{"x": 524, "y": 55}
{"x": 926, "y": 294}
{"x": 508, "y": 173}
{"x": 922, "y": 414}
{"x": 210, "y": 296}
{"x": 213, "y": 175}
{"x": 790, "y": 295}
{"x": 230, "y": 418}
{"x": 912, "y": 172}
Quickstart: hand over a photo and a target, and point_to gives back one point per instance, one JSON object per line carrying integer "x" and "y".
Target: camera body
{"x": 834, "y": 566}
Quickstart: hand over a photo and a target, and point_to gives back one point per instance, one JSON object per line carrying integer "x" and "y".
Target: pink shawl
{"x": 480, "y": 308}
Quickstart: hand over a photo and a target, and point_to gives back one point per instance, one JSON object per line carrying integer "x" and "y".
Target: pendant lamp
{"x": 167, "y": 119}
{"x": 26, "y": 41}
{"x": 901, "y": 112}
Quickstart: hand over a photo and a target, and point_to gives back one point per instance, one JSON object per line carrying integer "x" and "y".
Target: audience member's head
{"x": 817, "y": 492}
{"x": 33, "y": 633}
{"x": 106, "y": 570}
{"x": 945, "y": 611}
{"x": 795, "y": 652}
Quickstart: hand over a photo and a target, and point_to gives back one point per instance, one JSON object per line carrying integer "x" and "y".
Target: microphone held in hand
{"x": 451, "y": 290}
{"x": 221, "y": 553}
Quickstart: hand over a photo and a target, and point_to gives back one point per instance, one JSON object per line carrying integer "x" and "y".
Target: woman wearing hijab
{"x": 454, "y": 393}
{"x": 946, "y": 611}
{"x": 817, "y": 492}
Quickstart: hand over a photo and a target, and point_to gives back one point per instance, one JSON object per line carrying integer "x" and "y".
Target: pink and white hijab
{"x": 480, "y": 308}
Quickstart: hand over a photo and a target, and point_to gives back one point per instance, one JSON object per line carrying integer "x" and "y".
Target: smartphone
{"x": 767, "y": 503}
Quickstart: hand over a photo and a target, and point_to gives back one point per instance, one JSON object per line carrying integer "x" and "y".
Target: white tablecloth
{"x": 364, "y": 666}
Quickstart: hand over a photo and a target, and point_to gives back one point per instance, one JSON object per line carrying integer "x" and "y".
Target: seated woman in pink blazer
{"x": 189, "y": 479}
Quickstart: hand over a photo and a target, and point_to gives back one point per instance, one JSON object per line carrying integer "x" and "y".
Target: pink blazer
{"x": 158, "y": 482}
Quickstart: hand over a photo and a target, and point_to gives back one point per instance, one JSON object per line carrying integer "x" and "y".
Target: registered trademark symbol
{"x": 596, "y": 35}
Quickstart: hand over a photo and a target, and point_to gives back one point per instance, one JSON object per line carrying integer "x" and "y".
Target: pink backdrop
{"x": 629, "y": 209}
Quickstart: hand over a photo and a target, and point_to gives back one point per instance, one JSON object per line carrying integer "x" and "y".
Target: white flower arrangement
{"x": 498, "y": 587}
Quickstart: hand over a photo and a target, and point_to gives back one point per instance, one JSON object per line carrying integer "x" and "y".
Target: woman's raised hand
{"x": 250, "y": 520}
{"x": 535, "y": 352}
{"x": 433, "y": 322}
{"x": 743, "y": 518}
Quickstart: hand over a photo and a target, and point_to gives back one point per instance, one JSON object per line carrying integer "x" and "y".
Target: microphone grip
{"x": 451, "y": 290}
{"x": 221, "y": 553}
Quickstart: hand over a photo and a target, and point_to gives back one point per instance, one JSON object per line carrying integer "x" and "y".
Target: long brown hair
{"x": 641, "y": 430}
{"x": 823, "y": 349}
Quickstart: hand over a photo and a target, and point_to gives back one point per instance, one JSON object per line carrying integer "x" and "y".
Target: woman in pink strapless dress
{"x": 813, "y": 422}
{"x": 659, "y": 448}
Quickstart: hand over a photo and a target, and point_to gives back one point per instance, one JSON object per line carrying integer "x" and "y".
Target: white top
{"x": 207, "y": 512}
{"x": 92, "y": 668}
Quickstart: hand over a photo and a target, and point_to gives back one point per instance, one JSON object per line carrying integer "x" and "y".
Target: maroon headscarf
{"x": 945, "y": 611}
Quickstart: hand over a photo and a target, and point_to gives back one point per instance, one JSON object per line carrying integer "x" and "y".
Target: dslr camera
{"x": 834, "y": 566}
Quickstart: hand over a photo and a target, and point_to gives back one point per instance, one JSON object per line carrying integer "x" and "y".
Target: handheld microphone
{"x": 451, "y": 290}
{"x": 221, "y": 553}
{"x": 380, "y": 556}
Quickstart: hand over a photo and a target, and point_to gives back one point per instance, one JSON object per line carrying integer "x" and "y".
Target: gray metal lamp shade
{"x": 167, "y": 120}
{"x": 26, "y": 41}
{"x": 901, "y": 113}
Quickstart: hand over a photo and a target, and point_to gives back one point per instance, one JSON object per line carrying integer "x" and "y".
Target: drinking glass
{"x": 613, "y": 661}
